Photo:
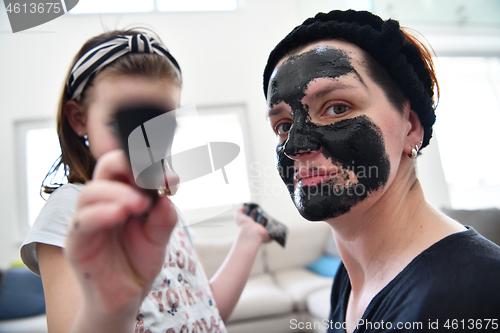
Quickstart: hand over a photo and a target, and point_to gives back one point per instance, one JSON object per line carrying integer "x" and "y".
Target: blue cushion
{"x": 21, "y": 295}
{"x": 326, "y": 265}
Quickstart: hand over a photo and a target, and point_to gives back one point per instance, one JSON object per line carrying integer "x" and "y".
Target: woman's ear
{"x": 415, "y": 134}
{"x": 77, "y": 117}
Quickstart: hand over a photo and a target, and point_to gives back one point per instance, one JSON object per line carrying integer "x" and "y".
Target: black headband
{"x": 383, "y": 40}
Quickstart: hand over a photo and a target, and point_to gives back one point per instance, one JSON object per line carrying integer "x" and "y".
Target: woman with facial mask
{"x": 351, "y": 99}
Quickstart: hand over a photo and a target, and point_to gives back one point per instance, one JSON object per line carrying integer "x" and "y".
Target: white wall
{"x": 222, "y": 55}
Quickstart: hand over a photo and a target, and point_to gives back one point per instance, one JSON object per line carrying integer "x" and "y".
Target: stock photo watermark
{"x": 448, "y": 324}
{"x": 27, "y": 14}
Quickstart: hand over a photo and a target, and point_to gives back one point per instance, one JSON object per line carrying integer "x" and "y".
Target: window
{"x": 199, "y": 199}
{"x": 207, "y": 154}
{"x": 467, "y": 130}
{"x": 209, "y": 196}
{"x": 38, "y": 141}
{"x": 196, "y": 5}
{"x": 113, "y": 6}
{"x": 144, "y": 6}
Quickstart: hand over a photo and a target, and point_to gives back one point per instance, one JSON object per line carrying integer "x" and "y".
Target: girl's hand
{"x": 250, "y": 227}
{"x": 118, "y": 238}
{"x": 229, "y": 281}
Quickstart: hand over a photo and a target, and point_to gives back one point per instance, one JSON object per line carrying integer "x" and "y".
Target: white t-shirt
{"x": 180, "y": 299}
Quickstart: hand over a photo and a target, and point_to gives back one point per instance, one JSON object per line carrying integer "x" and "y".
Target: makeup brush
{"x": 146, "y": 133}
{"x": 276, "y": 230}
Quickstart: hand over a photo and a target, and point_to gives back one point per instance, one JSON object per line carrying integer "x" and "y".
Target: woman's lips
{"x": 311, "y": 181}
{"x": 315, "y": 176}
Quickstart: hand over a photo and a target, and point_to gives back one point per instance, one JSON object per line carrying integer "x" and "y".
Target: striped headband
{"x": 105, "y": 53}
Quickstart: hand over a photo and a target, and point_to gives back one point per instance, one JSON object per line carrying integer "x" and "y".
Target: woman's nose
{"x": 301, "y": 140}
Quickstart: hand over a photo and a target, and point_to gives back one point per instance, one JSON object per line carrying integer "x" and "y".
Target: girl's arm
{"x": 229, "y": 281}
{"x": 64, "y": 301}
{"x": 62, "y": 292}
{"x": 112, "y": 255}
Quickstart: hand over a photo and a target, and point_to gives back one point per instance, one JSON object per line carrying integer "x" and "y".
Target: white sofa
{"x": 35, "y": 324}
{"x": 281, "y": 295}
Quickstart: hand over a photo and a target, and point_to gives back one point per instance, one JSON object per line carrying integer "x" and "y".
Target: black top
{"x": 452, "y": 286}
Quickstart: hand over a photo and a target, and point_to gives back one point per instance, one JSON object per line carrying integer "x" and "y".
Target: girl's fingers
{"x": 246, "y": 222}
{"x": 89, "y": 228}
{"x": 114, "y": 166}
{"x": 161, "y": 221}
{"x": 112, "y": 191}
{"x": 112, "y": 197}
{"x": 98, "y": 217}
{"x": 242, "y": 218}
{"x": 149, "y": 238}
{"x": 104, "y": 205}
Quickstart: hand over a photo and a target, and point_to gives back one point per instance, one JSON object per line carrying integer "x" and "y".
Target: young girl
{"x": 109, "y": 256}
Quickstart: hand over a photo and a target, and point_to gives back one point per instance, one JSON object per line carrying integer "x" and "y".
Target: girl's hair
{"x": 396, "y": 60}
{"x": 76, "y": 160}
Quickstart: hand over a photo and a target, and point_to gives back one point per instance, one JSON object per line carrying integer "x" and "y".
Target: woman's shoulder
{"x": 456, "y": 278}
{"x": 467, "y": 247}
{"x": 459, "y": 271}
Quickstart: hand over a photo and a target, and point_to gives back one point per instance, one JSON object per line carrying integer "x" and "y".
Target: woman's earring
{"x": 414, "y": 152}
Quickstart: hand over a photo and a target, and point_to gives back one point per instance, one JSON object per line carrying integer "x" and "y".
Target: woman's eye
{"x": 282, "y": 128}
{"x": 337, "y": 109}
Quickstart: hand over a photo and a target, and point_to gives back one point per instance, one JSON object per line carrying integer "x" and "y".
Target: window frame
{"x": 21, "y": 129}
{"x": 23, "y": 126}
{"x": 156, "y": 9}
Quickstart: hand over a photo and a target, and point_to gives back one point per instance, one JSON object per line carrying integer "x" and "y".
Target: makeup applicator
{"x": 276, "y": 230}
{"x": 146, "y": 133}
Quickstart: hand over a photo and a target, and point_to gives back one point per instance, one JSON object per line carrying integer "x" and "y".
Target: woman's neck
{"x": 378, "y": 243}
